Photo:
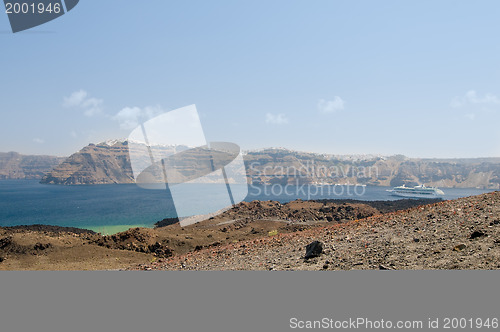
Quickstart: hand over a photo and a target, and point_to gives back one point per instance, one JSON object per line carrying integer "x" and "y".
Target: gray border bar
{"x": 236, "y": 301}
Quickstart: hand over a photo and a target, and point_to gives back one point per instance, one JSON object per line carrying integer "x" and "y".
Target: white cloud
{"x": 331, "y": 106}
{"x": 75, "y": 99}
{"x": 277, "y": 119}
{"x": 471, "y": 97}
{"x": 92, "y": 106}
{"x": 73, "y": 134}
{"x": 38, "y": 140}
{"x": 80, "y": 99}
{"x": 131, "y": 117}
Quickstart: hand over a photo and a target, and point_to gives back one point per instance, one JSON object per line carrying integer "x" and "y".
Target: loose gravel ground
{"x": 458, "y": 234}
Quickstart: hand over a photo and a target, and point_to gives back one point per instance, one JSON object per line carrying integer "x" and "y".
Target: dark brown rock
{"x": 314, "y": 249}
{"x": 476, "y": 234}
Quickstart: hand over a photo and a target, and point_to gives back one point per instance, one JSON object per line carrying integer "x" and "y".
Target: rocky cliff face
{"x": 94, "y": 164}
{"x": 103, "y": 163}
{"x": 17, "y": 166}
{"x": 281, "y": 166}
{"x": 110, "y": 163}
{"x": 461, "y": 173}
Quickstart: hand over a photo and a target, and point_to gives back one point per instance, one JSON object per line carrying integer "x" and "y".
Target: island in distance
{"x": 17, "y": 166}
{"x": 109, "y": 162}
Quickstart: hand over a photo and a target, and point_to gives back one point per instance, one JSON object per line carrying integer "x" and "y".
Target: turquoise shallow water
{"x": 112, "y": 208}
{"x": 117, "y": 207}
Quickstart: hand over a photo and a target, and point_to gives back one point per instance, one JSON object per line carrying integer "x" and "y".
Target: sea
{"x": 113, "y": 208}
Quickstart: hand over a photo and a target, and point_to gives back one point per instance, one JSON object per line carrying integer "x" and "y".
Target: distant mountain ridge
{"x": 14, "y": 165}
{"x": 109, "y": 162}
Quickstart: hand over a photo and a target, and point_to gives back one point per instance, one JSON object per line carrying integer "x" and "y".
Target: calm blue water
{"x": 112, "y": 208}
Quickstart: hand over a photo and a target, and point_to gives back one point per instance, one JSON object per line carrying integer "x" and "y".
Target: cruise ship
{"x": 416, "y": 192}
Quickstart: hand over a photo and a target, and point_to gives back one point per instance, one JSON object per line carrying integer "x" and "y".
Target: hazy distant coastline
{"x": 109, "y": 163}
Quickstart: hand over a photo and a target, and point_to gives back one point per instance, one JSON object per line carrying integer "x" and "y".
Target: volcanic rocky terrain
{"x": 268, "y": 235}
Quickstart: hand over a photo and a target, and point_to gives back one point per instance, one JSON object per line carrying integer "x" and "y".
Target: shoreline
{"x": 110, "y": 209}
{"x": 382, "y": 205}
{"x": 77, "y": 185}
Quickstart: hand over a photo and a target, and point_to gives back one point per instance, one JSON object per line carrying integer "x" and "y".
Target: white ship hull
{"x": 417, "y": 192}
{"x": 414, "y": 195}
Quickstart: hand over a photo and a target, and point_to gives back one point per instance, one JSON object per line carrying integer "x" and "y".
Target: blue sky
{"x": 420, "y": 79}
